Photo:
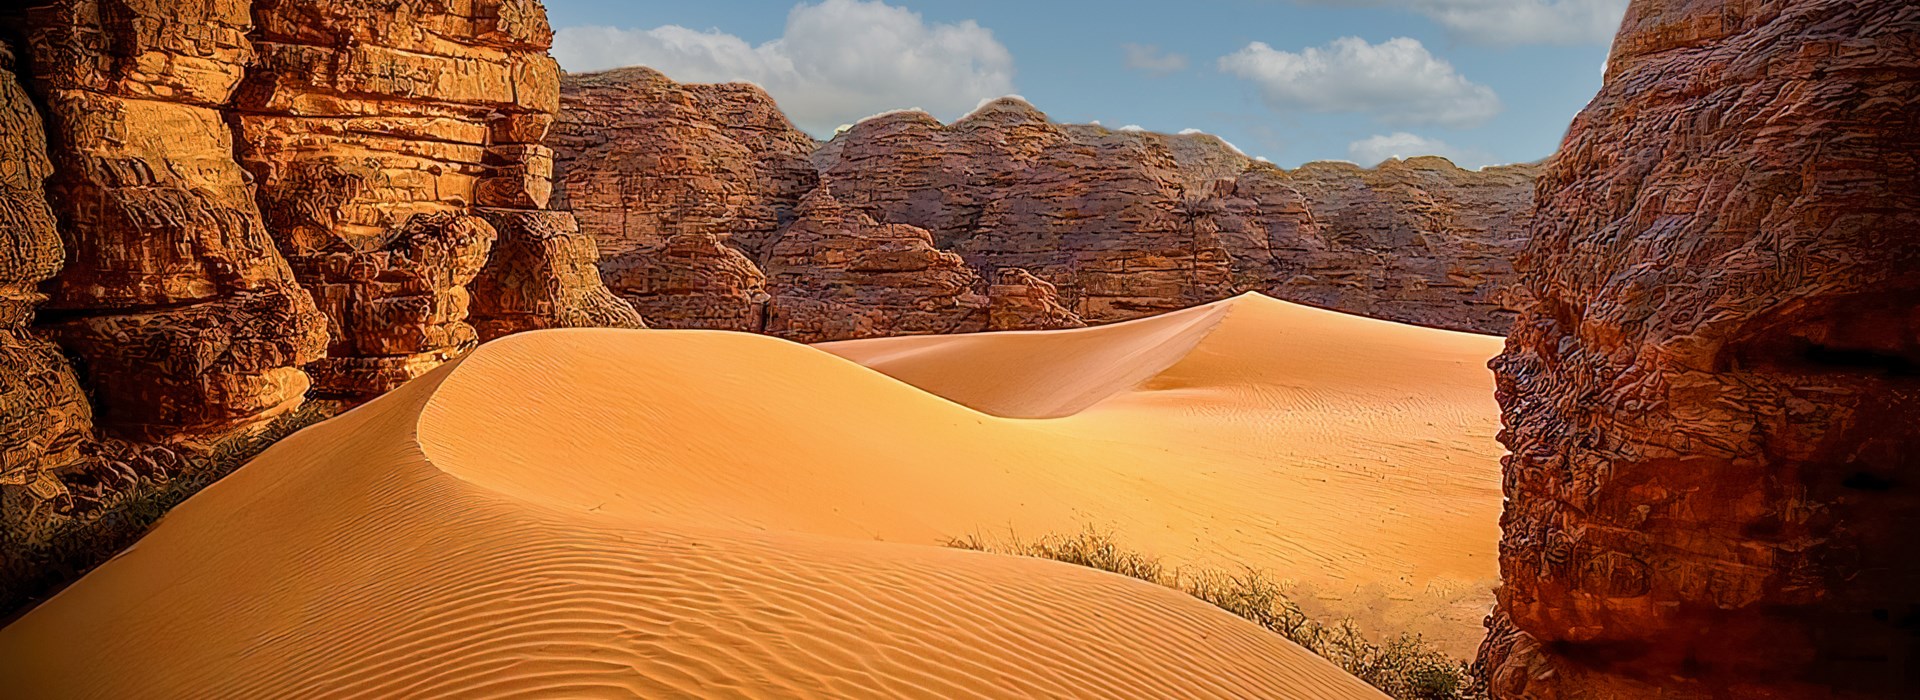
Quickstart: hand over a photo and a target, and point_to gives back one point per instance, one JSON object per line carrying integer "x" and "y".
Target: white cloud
{"x": 1373, "y": 150}
{"x": 1397, "y": 81}
{"x": 837, "y": 61}
{"x": 1512, "y": 22}
{"x": 1152, "y": 60}
{"x": 1133, "y": 128}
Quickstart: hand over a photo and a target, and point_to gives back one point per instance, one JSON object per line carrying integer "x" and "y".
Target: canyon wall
{"x": 44, "y": 417}
{"x": 1118, "y": 224}
{"x": 386, "y": 139}
{"x": 1713, "y": 400}
{"x": 212, "y": 209}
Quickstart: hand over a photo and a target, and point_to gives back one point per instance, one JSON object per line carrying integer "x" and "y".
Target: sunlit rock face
{"x": 383, "y": 135}
{"x": 184, "y": 314}
{"x": 1713, "y": 402}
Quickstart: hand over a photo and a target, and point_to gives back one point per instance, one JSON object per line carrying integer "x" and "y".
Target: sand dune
{"x": 610, "y": 513}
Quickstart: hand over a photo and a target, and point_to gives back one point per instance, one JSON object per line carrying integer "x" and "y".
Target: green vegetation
{"x": 45, "y": 552}
{"x": 1405, "y": 667}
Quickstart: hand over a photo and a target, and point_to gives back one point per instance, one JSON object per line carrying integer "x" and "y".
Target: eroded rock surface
{"x": 1713, "y": 402}
{"x": 692, "y": 280}
{"x": 835, "y": 273}
{"x": 378, "y": 132}
{"x": 186, "y": 317}
{"x": 543, "y": 273}
{"x": 44, "y": 416}
{"x": 1123, "y": 224}
{"x": 1019, "y": 301}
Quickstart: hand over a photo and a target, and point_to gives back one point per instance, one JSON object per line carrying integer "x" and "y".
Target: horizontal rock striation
{"x": 1713, "y": 398}
{"x": 1122, "y": 224}
{"x": 173, "y": 295}
{"x": 382, "y": 135}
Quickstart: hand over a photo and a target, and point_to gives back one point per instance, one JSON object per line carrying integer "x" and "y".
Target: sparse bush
{"x": 38, "y": 555}
{"x": 1405, "y": 666}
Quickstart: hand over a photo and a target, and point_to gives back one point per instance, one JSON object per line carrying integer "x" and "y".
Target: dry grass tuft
{"x": 1405, "y": 666}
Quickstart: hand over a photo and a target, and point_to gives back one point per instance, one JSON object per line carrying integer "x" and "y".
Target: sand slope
{"x": 615, "y": 513}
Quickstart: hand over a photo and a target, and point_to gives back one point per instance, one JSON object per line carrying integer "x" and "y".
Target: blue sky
{"x": 1480, "y": 81}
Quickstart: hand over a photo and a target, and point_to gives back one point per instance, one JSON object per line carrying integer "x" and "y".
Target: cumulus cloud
{"x": 1513, "y": 22}
{"x": 1152, "y": 60}
{"x": 1397, "y": 81}
{"x": 1373, "y": 150}
{"x": 838, "y": 60}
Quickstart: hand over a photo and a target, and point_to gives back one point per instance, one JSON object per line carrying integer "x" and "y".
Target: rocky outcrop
{"x": 44, "y": 416}
{"x": 1100, "y": 214}
{"x": 835, "y": 273}
{"x": 1416, "y": 241}
{"x": 173, "y": 295}
{"x": 1019, "y": 301}
{"x": 642, "y": 158}
{"x": 380, "y": 134}
{"x": 1122, "y": 223}
{"x": 543, "y": 273}
{"x": 693, "y": 280}
{"x": 1713, "y": 400}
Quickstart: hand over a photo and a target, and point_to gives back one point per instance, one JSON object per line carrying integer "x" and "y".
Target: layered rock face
{"x": 383, "y": 135}
{"x": 692, "y": 280}
{"x": 186, "y": 317}
{"x": 44, "y": 416}
{"x": 836, "y": 273}
{"x": 1713, "y": 401}
{"x": 1122, "y": 224}
{"x": 655, "y": 170}
{"x": 1019, "y": 301}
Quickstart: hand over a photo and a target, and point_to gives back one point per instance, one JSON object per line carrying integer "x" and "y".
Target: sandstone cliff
{"x": 173, "y": 294}
{"x": 1712, "y": 402}
{"x": 216, "y": 168}
{"x": 44, "y": 417}
{"x": 379, "y": 134}
{"x": 1121, "y": 224}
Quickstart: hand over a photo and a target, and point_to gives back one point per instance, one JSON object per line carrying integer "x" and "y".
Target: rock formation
{"x": 44, "y": 416}
{"x": 380, "y": 134}
{"x": 1123, "y": 223}
{"x": 692, "y": 280}
{"x": 173, "y": 296}
{"x": 543, "y": 273}
{"x": 1713, "y": 400}
{"x": 836, "y": 273}
{"x": 1019, "y": 301}
{"x": 1417, "y": 241}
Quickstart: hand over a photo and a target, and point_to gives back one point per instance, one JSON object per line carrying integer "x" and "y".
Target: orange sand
{"x": 603, "y": 513}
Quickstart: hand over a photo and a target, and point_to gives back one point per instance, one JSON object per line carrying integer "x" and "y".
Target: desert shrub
{"x": 1405, "y": 666}
{"x": 40, "y": 554}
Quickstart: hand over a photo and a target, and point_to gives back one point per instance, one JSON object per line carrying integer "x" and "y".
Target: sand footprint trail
{"x": 617, "y": 513}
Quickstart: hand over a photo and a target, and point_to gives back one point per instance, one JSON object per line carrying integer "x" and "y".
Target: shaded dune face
{"x": 1712, "y": 405}
{"x": 602, "y": 512}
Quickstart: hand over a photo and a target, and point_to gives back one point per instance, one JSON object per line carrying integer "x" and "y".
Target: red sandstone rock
{"x": 543, "y": 274}
{"x": 836, "y": 274}
{"x": 1712, "y": 401}
{"x": 378, "y": 132}
{"x": 186, "y": 316}
{"x": 643, "y": 158}
{"x": 1020, "y": 301}
{"x": 693, "y": 280}
{"x": 44, "y": 416}
{"x": 1133, "y": 223}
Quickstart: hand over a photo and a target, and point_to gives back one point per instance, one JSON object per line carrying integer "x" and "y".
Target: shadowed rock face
{"x": 1122, "y": 224}
{"x": 44, "y": 417}
{"x": 186, "y": 317}
{"x": 1713, "y": 403}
